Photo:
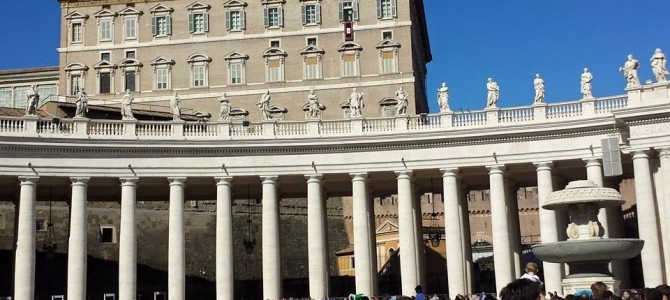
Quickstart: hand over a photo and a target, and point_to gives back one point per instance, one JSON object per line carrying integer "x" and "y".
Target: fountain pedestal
{"x": 585, "y": 251}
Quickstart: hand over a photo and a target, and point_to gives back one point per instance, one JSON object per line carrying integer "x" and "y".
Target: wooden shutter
{"x": 355, "y": 8}
{"x": 280, "y": 16}
{"x": 394, "y": 8}
{"x": 168, "y": 24}
{"x": 153, "y": 26}
{"x": 229, "y": 24}
{"x": 350, "y": 58}
{"x": 304, "y": 14}
{"x": 267, "y": 17}
{"x": 340, "y": 9}
{"x": 317, "y": 7}
{"x": 379, "y": 9}
{"x": 388, "y": 55}
{"x": 274, "y": 63}
{"x": 611, "y": 157}
{"x": 243, "y": 19}
{"x": 206, "y": 21}
{"x": 313, "y": 60}
{"x": 191, "y": 26}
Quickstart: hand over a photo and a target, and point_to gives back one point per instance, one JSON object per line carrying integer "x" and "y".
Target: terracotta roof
{"x": 19, "y": 112}
{"x": 28, "y": 70}
{"x": 135, "y": 111}
{"x": 345, "y": 251}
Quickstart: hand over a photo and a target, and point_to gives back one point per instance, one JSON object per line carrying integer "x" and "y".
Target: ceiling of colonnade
{"x": 381, "y": 184}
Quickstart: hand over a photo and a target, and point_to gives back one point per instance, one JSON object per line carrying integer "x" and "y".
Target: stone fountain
{"x": 586, "y": 251}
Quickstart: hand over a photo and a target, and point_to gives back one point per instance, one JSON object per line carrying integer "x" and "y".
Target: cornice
{"x": 87, "y": 3}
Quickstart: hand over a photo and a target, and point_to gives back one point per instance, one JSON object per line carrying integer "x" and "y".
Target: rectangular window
{"x": 311, "y": 41}
{"x": 235, "y": 20}
{"x": 388, "y": 62}
{"x": 350, "y": 66}
{"x": 273, "y": 17}
{"x": 274, "y": 70}
{"x": 105, "y": 30}
{"x": 41, "y": 225}
{"x": 198, "y": 76}
{"x": 105, "y": 56}
{"x": 58, "y": 297}
{"x": 275, "y": 43}
{"x": 109, "y": 297}
{"x": 236, "y": 73}
{"x": 198, "y": 22}
{"x": 130, "y": 81}
{"x": 386, "y": 9}
{"x": 348, "y": 10}
{"x": 130, "y": 54}
{"x": 131, "y": 28}
{"x": 312, "y": 68}
{"x": 47, "y": 90}
{"x": 105, "y": 83}
{"x": 107, "y": 234}
{"x": 311, "y": 14}
{"x": 20, "y": 96}
{"x": 75, "y": 84}
{"x": 77, "y": 34}
{"x": 387, "y": 35}
{"x": 161, "y": 26}
{"x": 162, "y": 79}
{"x": 6, "y": 97}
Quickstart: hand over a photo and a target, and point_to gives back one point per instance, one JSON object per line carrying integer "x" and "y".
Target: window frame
{"x": 312, "y": 52}
{"x": 107, "y": 68}
{"x": 389, "y": 14}
{"x": 347, "y": 49}
{"x": 317, "y": 14}
{"x": 161, "y": 65}
{"x": 238, "y": 7}
{"x": 161, "y": 12}
{"x": 270, "y": 55}
{"x": 131, "y": 15}
{"x": 268, "y": 18}
{"x": 77, "y": 70}
{"x": 353, "y": 5}
{"x": 197, "y": 9}
{"x": 114, "y": 234}
{"x": 131, "y": 65}
{"x": 236, "y": 58}
{"x": 79, "y": 19}
{"x": 197, "y": 61}
{"x": 384, "y": 47}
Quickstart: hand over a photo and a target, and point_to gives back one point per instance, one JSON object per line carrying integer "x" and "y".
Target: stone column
{"x": 456, "y": 273}
{"x": 317, "y": 247}
{"x": 176, "y": 241}
{"x": 664, "y": 158}
{"x": 652, "y": 269}
{"x": 366, "y": 264}
{"x": 407, "y": 234}
{"x": 24, "y": 267}
{"x": 502, "y": 252}
{"x": 418, "y": 234}
{"x": 463, "y": 196}
{"x": 272, "y": 282}
{"x": 224, "y": 238}
{"x": 553, "y": 272}
{"x": 514, "y": 227}
{"x": 76, "y": 251}
{"x": 128, "y": 240}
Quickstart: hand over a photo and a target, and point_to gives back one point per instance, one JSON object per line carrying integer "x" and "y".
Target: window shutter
{"x": 304, "y": 14}
{"x": 206, "y": 18}
{"x": 168, "y": 24}
{"x": 280, "y": 16}
{"x": 355, "y": 7}
{"x": 267, "y": 17}
{"x": 190, "y": 23}
{"x": 379, "y": 9}
{"x": 243, "y": 19}
{"x": 229, "y": 25}
{"x": 153, "y": 26}
{"x": 317, "y": 7}
{"x": 340, "y": 9}
{"x": 394, "y": 8}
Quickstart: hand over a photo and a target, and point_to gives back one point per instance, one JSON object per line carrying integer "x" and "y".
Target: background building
{"x": 243, "y": 48}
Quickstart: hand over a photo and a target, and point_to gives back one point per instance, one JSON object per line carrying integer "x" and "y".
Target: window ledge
{"x": 236, "y": 31}
{"x": 274, "y": 28}
{"x": 312, "y": 79}
{"x": 311, "y": 25}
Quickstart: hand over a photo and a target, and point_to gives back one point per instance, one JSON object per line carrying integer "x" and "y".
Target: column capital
{"x": 79, "y": 180}
{"x": 638, "y": 154}
{"x": 176, "y": 180}
{"x": 664, "y": 152}
{"x": 592, "y": 162}
{"x": 544, "y": 165}
{"x": 358, "y": 176}
{"x": 496, "y": 169}
{"x": 223, "y": 180}
{"x": 265, "y": 179}
{"x": 28, "y": 179}
{"x": 446, "y": 172}
{"x": 314, "y": 178}
{"x": 129, "y": 180}
{"x": 404, "y": 174}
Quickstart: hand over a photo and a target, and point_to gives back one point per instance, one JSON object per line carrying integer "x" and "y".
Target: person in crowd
{"x": 665, "y": 290}
{"x": 419, "y": 293}
{"x": 521, "y": 289}
{"x": 652, "y": 294}
{"x": 531, "y": 272}
{"x": 598, "y": 288}
{"x": 625, "y": 295}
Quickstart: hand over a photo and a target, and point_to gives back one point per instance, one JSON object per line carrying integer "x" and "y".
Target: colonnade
{"x": 505, "y": 227}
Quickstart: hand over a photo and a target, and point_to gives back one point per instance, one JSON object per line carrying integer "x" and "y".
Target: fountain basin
{"x": 583, "y": 192}
{"x": 588, "y": 250}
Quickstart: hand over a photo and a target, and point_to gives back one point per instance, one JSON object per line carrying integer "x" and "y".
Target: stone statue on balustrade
{"x": 629, "y": 70}
{"x": 586, "y": 84}
{"x": 658, "y": 66}
{"x": 175, "y": 104}
{"x": 82, "y": 104}
{"x": 32, "y": 101}
{"x": 356, "y": 104}
{"x": 538, "y": 83}
{"x": 313, "y": 108}
{"x": 402, "y": 102}
{"x": 443, "y": 98}
{"x": 224, "y": 112}
{"x": 126, "y": 103}
{"x": 264, "y": 106}
{"x": 493, "y": 93}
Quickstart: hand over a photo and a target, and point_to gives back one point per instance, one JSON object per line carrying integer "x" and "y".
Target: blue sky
{"x": 471, "y": 40}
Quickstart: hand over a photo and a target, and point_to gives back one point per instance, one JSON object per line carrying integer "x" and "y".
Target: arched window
{"x": 199, "y": 70}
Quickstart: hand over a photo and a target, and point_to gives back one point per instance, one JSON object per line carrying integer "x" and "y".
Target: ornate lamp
{"x": 49, "y": 245}
{"x": 249, "y": 241}
{"x": 434, "y": 237}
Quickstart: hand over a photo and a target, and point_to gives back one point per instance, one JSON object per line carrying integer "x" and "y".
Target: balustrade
{"x": 379, "y": 125}
{"x": 335, "y": 127}
{"x": 564, "y": 110}
{"x": 11, "y": 125}
{"x": 516, "y": 115}
{"x": 158, "y": 129}
{"x": 55, "y": 127}
{"x": 291, "y": 128}
{"x": 468, "y": 119}
{"x": 424, "y": 122}
{"x": 239, "y": 129}
{"x": 200, "y": 129}
{"x": 105, "y": 127}
{"x": 605, "y": 105}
